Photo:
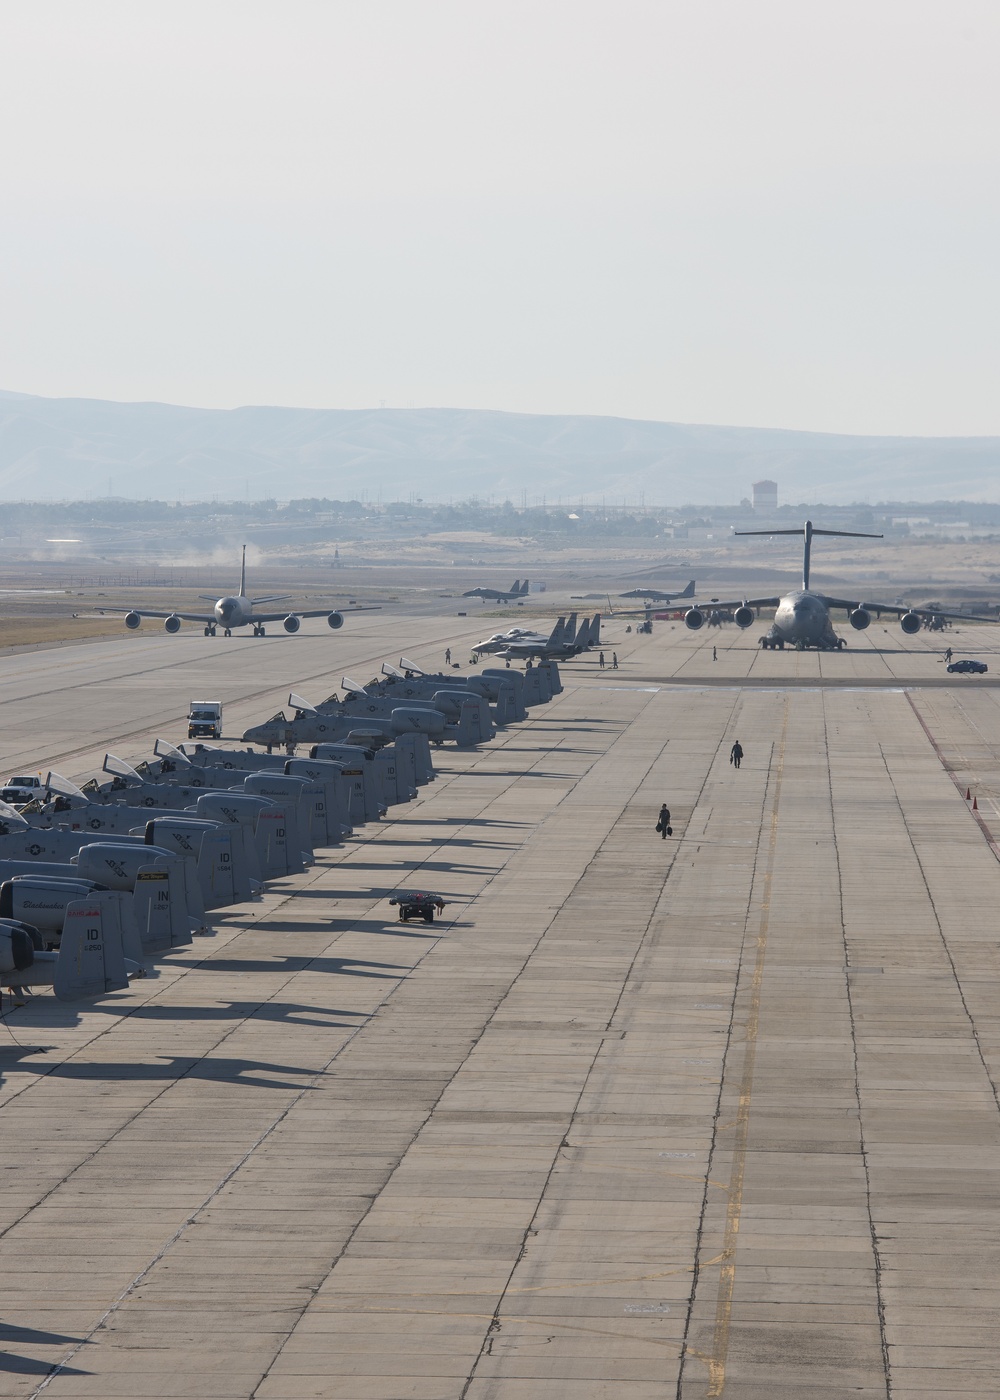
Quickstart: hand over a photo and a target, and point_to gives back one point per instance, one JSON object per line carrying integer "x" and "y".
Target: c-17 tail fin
{"x": 243, "y": 574}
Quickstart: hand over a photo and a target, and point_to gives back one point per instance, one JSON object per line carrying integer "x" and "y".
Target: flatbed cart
{"x": 415, "y": 904}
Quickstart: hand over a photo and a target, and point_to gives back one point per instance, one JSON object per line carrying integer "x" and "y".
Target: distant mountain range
{"x": 59, "y": 449}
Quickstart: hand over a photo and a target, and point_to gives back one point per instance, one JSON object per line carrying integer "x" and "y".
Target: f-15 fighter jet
{"x": 499, "y": 595}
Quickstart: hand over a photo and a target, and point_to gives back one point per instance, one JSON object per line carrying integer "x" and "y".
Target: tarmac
{"x": 715, "y": 1115}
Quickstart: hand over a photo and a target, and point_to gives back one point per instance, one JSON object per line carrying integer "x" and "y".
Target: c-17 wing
{"x": 898, "y": 610}
{"x": 708, "y": 605}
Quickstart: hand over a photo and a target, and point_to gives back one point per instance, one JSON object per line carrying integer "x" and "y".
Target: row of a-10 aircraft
{"x": 97, "y": 881}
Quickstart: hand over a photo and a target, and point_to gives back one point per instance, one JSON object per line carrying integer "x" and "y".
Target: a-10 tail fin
{"x": 91, "y": 957}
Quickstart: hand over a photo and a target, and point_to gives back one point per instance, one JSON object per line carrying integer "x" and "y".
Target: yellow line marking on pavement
{"x": 727, "y": 1277}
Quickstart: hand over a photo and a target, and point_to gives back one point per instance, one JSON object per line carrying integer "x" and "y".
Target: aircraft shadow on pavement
{"x": 285, "y": 965}
{"x": 288, "y": 1012}
{"x": 33, "y": 1366}
{"x": 390, "y": 924}
{"x": 178, "y": 1067}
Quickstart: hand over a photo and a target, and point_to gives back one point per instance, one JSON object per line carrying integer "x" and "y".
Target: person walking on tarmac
{"x": 447, "y": 656}
{"x": 614, "y": 661}
{"x": 663, "y": 822}
{"x": 736, "y": 754}
{"x": 600, "y": 661}
{"x": 948, "y": 655}
{"x": 715, "y": 655}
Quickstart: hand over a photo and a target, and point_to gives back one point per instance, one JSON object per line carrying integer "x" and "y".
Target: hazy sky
{"x": 776, "y": 213}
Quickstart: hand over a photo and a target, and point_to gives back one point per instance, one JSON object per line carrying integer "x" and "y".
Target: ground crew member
{"x": 948, "y": 655}
{"x": 736, "y": 754}
{"x": 715, "y": 655}
{"x": 600, "y": 661}
{"x": 663, "y": 822}
{"x": 447, "y": 656}
{"x": 614, "y": 661}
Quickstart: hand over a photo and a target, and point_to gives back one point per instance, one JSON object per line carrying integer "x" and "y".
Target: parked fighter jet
{"x": 232, "y": 611}
{"x": 560, "y": 644}
{"x": 658, "y": 595}
{"x": 500, "y": 641}
{"x": 498, "y": 595}
{"x": 802, "y": 619}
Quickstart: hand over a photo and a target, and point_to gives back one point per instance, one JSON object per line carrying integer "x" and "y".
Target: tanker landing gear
{"x": 227, "y": 632}
{"x": 210, "y": 630}
{"x": 259, "y": 632}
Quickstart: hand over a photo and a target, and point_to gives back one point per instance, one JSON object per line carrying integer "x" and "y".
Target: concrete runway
{"x": 711, "y": 1116}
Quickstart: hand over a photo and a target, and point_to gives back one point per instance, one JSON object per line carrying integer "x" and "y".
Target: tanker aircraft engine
{"x": 802, "y": 619}
{"x": 235, "y": 610}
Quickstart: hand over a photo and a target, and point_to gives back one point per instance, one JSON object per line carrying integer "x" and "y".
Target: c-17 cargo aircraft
{"x": 232, "y": 611}
{"x": 802, "y": 619}
{"x": 516, "y": 590}
{"x": 658, "y": 595}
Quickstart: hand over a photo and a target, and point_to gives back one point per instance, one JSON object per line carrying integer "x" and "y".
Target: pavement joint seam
{"x": 862, "y": 1140}
{"x": 687, "y": 1348}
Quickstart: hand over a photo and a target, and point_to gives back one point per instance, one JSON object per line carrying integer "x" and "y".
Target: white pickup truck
{"x": 21, "y": 789}
{"x": 205, "y": 719}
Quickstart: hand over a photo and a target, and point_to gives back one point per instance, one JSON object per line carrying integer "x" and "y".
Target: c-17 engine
{"x": 694, "y": 618}
{"x": 910, "y": 623}
{"x": 743, "y": 617}
{"x": 860, "y": 618}
{"x": 132, "y": 620}
{"x": 335, "y": 620}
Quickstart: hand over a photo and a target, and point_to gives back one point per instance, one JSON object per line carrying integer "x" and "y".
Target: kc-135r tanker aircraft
{"x": 232, "y": 611}
{"x": 802, "y": 619}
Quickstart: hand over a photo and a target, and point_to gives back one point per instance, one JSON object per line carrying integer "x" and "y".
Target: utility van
{"x": 205, "y": 719}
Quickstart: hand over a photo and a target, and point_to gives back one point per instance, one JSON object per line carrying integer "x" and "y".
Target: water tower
{"x": 765, "y": 496}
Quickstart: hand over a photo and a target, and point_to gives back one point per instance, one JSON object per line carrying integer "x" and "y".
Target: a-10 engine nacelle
{"x": 910, "y": 623}
{"x": 291, "y": 623}
{"x": 335, "y": 620}
{"x": 859, "y": 618}
{"x": 694, "y": 618}
{"x": 132, "y": 620}
{"x": 171, "y": 623}
{"x": 743, "y": 617}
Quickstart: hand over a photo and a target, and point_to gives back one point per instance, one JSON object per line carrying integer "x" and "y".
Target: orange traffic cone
{"x": 968, "y": 794}
{"x": 975, "y": 805}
